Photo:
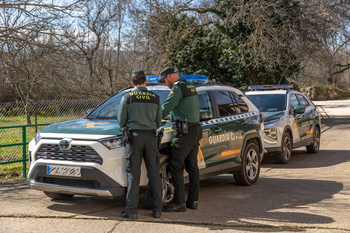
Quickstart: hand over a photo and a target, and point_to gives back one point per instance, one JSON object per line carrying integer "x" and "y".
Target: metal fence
{"x": 33, "y": 115}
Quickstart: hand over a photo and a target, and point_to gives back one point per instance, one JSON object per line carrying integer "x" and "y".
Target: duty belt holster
{"x": 181, "y": 127}
{"x": 126, "y": 135}
{"x": 160, "y": 136}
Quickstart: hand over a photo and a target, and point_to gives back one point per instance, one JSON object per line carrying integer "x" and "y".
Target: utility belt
{"x": 127, "y": 134}
{"x": 143, "y": 130}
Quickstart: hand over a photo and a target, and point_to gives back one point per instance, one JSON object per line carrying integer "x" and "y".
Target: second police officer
{"x": 183, "y": 106}
{"x": 140, "y": 111}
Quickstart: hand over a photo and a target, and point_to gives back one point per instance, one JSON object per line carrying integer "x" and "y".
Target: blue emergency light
{"x": 191, "y": 78}
{"x": 153, "y": 80}
{"x": 271, "y": 87}
{"x": 195, "y": 78}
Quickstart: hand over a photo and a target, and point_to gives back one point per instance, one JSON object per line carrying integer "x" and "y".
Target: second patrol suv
{"x": 86, "y": 156}
{"x": 291, "y": 120}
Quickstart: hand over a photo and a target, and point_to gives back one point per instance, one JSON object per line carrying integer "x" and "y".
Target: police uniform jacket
{"x": 182, "y": 102}
{"x": 140, "y": 109}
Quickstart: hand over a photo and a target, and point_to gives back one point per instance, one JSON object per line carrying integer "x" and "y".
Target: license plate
{"x": 63, "y": 171}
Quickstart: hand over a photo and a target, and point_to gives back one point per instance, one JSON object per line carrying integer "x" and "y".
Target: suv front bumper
{"x": 92, "y": 182}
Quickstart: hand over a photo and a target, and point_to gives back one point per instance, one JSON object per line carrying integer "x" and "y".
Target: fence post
{"x": 24, "y": 151}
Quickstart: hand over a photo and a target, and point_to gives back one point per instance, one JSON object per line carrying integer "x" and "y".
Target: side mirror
{"x": 299, "y": 109}
{"x": 205, "y": 115}
{"x": 88, "y": 111}
{"x": 291, "y": 110}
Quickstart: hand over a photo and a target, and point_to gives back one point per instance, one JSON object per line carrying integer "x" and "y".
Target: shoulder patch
{"x": 172, "y": 90}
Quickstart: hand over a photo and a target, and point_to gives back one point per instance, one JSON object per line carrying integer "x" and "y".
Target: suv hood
{"x": 269, "y": 116}
{"x": 84, "y": 126}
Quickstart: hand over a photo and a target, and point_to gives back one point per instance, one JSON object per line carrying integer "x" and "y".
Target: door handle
{"x": 217, "y": 130}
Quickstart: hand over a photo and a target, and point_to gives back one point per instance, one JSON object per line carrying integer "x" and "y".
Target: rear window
{"x": 269, "y": 103}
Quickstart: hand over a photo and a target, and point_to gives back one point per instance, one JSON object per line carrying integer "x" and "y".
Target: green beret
{"x": 166, "y": 71}
{"x": 137, "y": 74}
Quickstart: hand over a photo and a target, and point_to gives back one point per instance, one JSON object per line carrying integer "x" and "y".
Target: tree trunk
{"x": 27, "y": 112}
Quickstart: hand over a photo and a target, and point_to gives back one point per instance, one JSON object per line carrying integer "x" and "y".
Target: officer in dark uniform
{"x": 141, "y": 111}
{"x": 183, "y": 105}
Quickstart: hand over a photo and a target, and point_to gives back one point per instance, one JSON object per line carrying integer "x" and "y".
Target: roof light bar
{"x": 153, "y": 80}
{"x": 195, "y": 78}
{"x": 191, "y": 78}
{"x": 270, "y": 87}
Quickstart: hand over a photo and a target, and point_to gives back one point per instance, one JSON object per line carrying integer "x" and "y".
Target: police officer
{"x": 183, "y": 105}
{"x": 141, "y": 111}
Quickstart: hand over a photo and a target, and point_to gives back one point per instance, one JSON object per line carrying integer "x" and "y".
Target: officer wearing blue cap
{"x": 141, "y": 111}
{"x": 183, "y": 106}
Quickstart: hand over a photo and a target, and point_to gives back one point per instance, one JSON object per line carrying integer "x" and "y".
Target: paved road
{"x": 310, "y": 194}
{"x": 335, "y": 108}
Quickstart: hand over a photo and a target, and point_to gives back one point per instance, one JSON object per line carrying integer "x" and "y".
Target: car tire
{"x": 59, "y": 196}
{"x": 167, "y": 184}
{"x": 284, "y": 156}
{"x": 315, "y": 146}
{"x": 250, "y": 167}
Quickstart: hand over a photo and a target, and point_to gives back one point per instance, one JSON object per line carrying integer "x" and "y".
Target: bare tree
{"x": 27, "y": 27}
{"x": 97, "y": 37}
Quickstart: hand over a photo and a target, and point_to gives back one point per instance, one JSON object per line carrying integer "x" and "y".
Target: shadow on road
{"x": 270, "y": 202}
{"x": 302, "y": 159}
{"x": 338, "y": 123}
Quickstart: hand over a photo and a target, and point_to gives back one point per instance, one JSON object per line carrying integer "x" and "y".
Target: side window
{"x": 293, "y": 100}
{"x": 205, "y": 103}
{"x": 225, "y": 103}
{"x": 238, "y": 109}
{"x": 303, "y": 101}
{"x": 242, "y": 106}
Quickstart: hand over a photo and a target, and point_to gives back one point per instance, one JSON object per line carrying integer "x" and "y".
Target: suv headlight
{"x": 112, "y": 143}
{"x": 271, "y": 132}
{"x": 37, "y": 138}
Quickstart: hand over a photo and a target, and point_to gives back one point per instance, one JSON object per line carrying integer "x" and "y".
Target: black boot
{"x": 175, "y": 208}
{"x": 128, "y": 216}
{"x": 192, "y": 205}
{"x": 157, "y": 214}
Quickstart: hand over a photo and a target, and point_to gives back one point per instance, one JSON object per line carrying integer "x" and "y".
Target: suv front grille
{"x": 75, "y": 153}
{"x": 69, "y": 182}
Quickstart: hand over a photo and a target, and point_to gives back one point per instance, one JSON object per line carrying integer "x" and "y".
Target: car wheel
{"x": 59, "y": 196}
{"x": 167, "y": 184}
{"x": 250, "y": 168}
{"x": 286, "y": 149}
{"x": 315, "y": 146}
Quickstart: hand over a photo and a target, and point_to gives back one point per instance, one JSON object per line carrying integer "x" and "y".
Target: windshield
{"x": 269, "y": 103}
{"x": 109, "y": 109}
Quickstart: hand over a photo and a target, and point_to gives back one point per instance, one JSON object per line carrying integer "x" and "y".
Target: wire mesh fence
{"x": 33, "y": 113}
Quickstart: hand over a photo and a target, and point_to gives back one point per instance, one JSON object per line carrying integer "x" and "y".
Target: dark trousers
{"x": 184, "y": 150}
{"x": 144, "y": 144}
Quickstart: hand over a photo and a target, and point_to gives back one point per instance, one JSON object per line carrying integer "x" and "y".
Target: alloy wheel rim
{"x": 168, "y": 187}
{"x": 252, "y": 166}
{"x": 286, "y": 148}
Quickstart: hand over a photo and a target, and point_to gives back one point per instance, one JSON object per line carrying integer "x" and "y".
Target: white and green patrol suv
{"x": 86, "y": 156}
{"x": 291, "y": 120}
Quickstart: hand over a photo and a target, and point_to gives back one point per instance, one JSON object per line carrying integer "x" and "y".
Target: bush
{"x": 324, "y": 93}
